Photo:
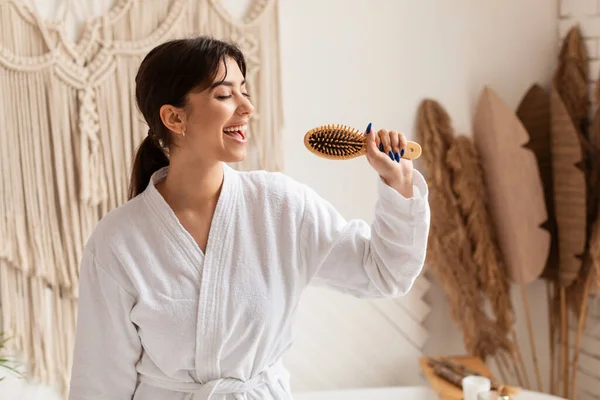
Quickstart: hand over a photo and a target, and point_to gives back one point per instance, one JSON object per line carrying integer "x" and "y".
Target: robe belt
{"x": 221, "y": 386}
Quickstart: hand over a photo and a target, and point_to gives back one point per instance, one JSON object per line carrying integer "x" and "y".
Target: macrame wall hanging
{"x": 70, "y": 130}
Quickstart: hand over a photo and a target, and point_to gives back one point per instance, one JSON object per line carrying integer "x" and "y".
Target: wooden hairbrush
{"x": 340, "y": 142}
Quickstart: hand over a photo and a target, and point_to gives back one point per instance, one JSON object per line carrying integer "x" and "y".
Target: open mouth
{"x": 237, "y": 132}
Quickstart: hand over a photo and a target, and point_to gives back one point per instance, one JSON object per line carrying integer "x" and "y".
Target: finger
{"x": 384, "y": 140}
{"x": 372, "y": 143}
{"x": 402, "y": 143}
{"x": 380, "y": 142}
{"x": 395, "y": 145}
{"x": 386, "y": 145}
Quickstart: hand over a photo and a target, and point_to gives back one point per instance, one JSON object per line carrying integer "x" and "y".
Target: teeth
{"x": 236, "y": 128}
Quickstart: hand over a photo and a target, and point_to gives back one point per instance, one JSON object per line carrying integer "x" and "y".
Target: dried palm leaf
{"x": 594, "y": 196}
{"x": 570, "y": 81}
{"x": 514, "y": 188}
{"x": 516, "y": 196}
{"x": 594, "y": 161}
{"x": 469, "y": 188}
{"x": 569, "y": 190}
{"x": 575, "y": 197}
{"x": 437, "y": 136}
{"x": 594, "y": 133}
{"x": 595, "y": 256}
{"x": 571, "y": 78}
{"x": 450, "y": 257}
{"x": 534, "y": 113}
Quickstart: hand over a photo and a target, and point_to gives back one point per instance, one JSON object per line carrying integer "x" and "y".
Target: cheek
{"x": 214, "y": 115}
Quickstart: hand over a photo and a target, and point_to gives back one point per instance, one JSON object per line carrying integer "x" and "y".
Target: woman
{"x": 188, "y": 291}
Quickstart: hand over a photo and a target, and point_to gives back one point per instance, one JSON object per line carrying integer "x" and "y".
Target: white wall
{"x": 361, "y": 61}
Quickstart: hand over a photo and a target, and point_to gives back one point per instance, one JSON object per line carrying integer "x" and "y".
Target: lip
{"x": 237, "y": 124}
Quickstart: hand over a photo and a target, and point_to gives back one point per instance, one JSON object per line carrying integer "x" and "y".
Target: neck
{"x": 192, "y": 187}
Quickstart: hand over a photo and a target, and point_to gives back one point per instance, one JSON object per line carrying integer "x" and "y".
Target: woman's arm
{"x": 107, "y": 346}
{"x": 378, "y": 260}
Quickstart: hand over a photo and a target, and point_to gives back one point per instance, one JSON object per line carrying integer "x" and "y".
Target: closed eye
{"x": 230, "y": 96}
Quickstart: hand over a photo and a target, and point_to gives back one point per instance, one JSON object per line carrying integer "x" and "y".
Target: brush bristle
{"x": 336, "y": 141}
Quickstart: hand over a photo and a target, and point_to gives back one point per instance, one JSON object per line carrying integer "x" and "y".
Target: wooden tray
{"x": 446, "y": 390}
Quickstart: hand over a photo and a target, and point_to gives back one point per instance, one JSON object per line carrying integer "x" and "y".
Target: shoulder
{"x": 275, "y": 184}
{"x": 117, "y": 226}
{"x": 115, "y": 239}
{"x": 275, "y": 191}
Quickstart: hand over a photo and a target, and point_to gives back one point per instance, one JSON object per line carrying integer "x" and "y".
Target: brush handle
{"x": 412, "y": 151}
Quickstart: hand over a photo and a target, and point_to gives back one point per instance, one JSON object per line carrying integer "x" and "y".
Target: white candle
{"x": 472, "y": 385}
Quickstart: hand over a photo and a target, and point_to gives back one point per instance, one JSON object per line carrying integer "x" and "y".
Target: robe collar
{"x": 177, "y": 232}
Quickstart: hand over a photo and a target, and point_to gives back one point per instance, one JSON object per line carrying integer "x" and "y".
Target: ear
{"x": 173, "y": 118}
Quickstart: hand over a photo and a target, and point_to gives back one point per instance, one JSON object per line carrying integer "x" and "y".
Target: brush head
{"x": 336, "y": 142}
{"x": 340, "y": 142}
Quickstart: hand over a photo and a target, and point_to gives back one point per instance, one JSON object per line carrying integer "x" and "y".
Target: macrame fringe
{"x": 70, "y": 130}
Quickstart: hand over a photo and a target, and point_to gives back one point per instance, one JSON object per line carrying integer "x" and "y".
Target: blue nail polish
{"x": 402, "y": 153}
{"x": 391, "y": 155}
{"x": 369, "y": 128}
{"x": 397, "y": 157}
{"x": 380, "y": 146}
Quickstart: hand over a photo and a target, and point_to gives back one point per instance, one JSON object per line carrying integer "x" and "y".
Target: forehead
{"x": 229, "y": 71}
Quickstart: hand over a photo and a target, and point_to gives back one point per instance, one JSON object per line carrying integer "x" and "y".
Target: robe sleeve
{"x": 376, "y": 260}
{"x": 107, "y": 346}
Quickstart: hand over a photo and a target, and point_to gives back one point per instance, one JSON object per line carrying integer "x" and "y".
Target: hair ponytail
{"x": 148, "y": 159}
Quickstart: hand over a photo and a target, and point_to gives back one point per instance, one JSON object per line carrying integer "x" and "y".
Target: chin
{"x": 236, "y": 157}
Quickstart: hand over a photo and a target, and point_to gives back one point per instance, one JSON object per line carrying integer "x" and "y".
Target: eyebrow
{"x": 225, "y": 83}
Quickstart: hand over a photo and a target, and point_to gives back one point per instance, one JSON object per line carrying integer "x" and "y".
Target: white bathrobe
{"x": 160, "y": 320}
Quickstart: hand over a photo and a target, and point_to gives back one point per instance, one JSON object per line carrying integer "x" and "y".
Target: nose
{"x": 245, "y": 107}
